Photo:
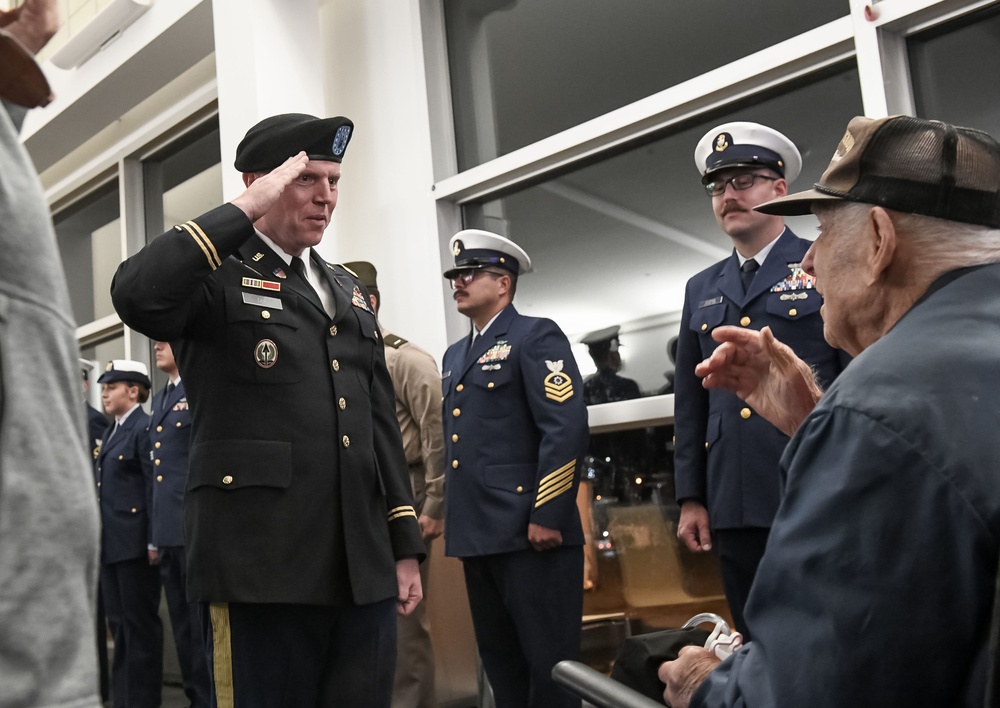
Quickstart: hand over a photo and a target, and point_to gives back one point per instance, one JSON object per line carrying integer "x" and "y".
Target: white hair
{"x": 940, "y": 244}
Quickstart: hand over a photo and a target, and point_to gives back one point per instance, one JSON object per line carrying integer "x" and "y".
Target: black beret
{"x": 275, "y": 139}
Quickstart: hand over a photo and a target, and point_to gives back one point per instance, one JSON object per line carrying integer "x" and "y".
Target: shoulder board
{"x": 339, "y": 265}
{"x": 395, "y": 342}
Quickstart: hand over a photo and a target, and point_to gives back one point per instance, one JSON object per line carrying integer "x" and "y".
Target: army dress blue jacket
{"x": 123, "y": 476}
{"x": 298, "y": 490}
{"x": 170, "y": 440}
{"x": 515, "y": 425}
{"x": 726, "y": 456}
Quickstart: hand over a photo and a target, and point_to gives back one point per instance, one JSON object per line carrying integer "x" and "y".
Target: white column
{"x": 269, "y": 60}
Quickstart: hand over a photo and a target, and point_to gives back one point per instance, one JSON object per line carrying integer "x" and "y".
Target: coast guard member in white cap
{"x": 726, "y": 456}
{"x": 515, "y": 425}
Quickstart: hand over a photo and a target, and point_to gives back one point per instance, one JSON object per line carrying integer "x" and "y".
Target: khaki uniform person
{"x": 417, "y": 383}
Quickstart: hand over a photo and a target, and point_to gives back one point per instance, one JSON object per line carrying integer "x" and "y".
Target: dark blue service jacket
{"x": 726, "y": 456}
{"x": 123, "y": 474}
{"x": 515, "y": 425}
{"x": 170, "y": 437}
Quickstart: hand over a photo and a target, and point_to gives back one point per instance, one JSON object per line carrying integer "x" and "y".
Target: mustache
{"x": 731, "y": 207}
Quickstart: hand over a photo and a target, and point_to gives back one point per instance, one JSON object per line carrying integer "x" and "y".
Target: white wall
{"x": 386, "y": 213}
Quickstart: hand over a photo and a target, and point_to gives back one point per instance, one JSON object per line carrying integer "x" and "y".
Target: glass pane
{"x": 525, "y": 69}
{"x": 184, "y": 180}
{"x": 97, "y": 357}
{"x": 951, "y": 68}
{"x": 614, "y": 243}
{"x": 646, "y": 579}
{"x": 89, "y": 236}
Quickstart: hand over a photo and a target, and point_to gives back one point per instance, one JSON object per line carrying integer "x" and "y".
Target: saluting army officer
{"x": 515, "y": 426}
{"x": 302, "y": 540}
{"x": 417, "y": 382}
{"x": 130, "y": 585}
{"x": 726, "y": 456}
{"x": 170, "y": 437}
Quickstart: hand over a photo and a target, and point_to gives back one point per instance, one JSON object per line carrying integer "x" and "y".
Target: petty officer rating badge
{"x": 558, "y": 386}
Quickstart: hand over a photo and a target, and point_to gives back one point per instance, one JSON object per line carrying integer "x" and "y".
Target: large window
{"x": 952, "y": 69}
{"x": 613, "y": 243}
{"x": 90, "y": 243}
{"x": 525, "y": 69}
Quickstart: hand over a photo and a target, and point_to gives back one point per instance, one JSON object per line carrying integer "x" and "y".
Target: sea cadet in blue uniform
{"x": 515, "y": 426}
{"x": 301, "y": 538}
{"x": 130, "y": 584}
{"x": 726, "y": 456}
{"x": 170, "y": 438}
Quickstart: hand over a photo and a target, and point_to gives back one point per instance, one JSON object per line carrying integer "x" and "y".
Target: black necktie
{"x": 113, "y": 431}
{"x": 747, "y": 271}
{"x": 300, "y": 269}
{"x": 170, "y": 389}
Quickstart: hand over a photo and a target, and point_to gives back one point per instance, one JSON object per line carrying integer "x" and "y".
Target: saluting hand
{"x": 763, "y": 372}
{"x": 263, "y": 190}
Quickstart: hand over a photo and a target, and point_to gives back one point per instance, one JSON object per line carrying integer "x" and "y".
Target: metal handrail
{"x": 597, "y": 689}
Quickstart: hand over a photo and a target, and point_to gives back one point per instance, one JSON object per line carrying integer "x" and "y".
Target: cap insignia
{"x": 721, "y": 143}
{"x": 110, "y": 366}
{"x": 340, "y": 139}
{"x": 458, "y": 249}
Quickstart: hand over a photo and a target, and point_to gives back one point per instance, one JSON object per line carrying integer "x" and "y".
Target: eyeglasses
{"x": 467, "y": 276}
{"x": 739, "y": 182}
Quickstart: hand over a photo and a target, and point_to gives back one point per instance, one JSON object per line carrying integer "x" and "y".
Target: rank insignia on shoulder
{"x": 558, "y": 386}
{"x": 358, "y": 300}
{"x": 798, "y": 279}
{"x": 261, "y": 284}
{"x": 498, "y": 352}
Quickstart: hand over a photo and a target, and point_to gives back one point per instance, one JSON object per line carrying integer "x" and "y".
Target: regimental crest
{"x": 265, "y": 353}
{"x": 498, "y": 352}
{"x": 340, "y": 139}
{"x": 358, "y": 300}
{"x": 558, "y": 386}
{"x": 798, "y": 279}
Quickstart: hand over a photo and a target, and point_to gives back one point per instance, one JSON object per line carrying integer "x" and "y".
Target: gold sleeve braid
{"x": 203, "y": 241}
{"x": 556, "y": 483}
{"x": 400, "y": 512}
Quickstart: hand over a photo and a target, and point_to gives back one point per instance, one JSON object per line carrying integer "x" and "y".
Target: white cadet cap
{"x": 125, "y": 370}
{"x": 474, "y": 248}
{"x": 744, "y": 144}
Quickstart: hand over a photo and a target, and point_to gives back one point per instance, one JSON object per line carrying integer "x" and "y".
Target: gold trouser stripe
{"x": 203, "y": 243}
{"x": 222, "y": 655}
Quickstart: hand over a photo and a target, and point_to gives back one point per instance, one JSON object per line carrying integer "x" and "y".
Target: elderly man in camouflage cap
{"x": 878, "y": 581}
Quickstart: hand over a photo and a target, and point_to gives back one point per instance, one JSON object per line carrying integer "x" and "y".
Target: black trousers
{"x": 131, "y": 591}
{"x": 185, "y": 620}
{"x": 526, "y": 610}
{"x": 740, "y": 551}
{"x": 270, "y": 656}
